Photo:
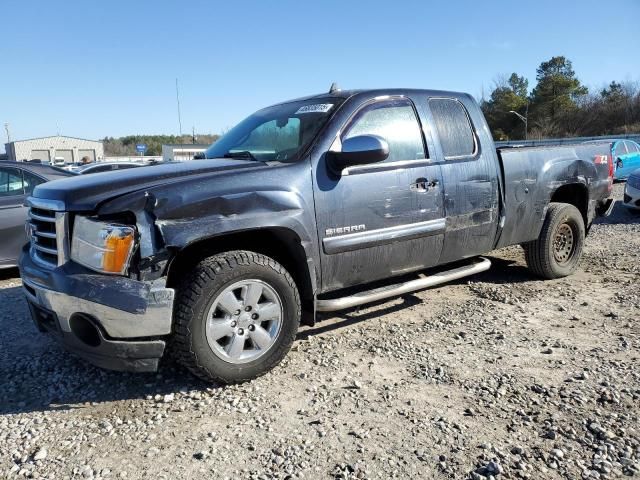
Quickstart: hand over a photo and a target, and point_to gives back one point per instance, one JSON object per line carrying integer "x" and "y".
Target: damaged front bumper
{"x": 112, "y": 322}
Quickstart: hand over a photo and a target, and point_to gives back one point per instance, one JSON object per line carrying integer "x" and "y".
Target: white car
{"x": 632, "y": 190}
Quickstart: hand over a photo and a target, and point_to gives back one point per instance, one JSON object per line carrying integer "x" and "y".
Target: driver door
{"x": 381, "y": 219}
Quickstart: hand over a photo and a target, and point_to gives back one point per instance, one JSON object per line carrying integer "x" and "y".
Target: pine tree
{"x": 557, "y": 91}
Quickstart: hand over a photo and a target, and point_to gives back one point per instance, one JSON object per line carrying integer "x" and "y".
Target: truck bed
{"x": 531, "y": 176}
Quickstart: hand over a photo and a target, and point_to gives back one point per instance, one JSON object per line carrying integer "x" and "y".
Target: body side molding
{"x": 381, "y": 236}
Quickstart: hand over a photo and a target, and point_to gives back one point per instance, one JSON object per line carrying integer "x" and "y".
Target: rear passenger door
{"x": 470, "y": 178}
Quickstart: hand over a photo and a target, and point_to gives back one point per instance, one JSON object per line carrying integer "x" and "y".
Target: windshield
{"x": 281, "y": 132}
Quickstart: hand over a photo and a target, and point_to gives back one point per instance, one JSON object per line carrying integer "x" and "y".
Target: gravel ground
{"x": 499, "y": 376}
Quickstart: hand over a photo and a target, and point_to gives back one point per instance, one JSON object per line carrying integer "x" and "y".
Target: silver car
{"x": 17, "y": 181}
{"x": 632, "y": 190}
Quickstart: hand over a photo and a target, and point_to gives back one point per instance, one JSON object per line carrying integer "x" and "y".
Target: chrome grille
{"x": 47, "y": 230}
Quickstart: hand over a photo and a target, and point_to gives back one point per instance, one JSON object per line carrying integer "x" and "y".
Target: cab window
{"x": 454, "y": 128}
{"x": 396, "y": 122}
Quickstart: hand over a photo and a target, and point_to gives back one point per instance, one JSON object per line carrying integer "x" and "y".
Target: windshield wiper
{"x": 240, "y": 154}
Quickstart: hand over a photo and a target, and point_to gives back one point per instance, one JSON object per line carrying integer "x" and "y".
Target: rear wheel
{"x": 237, "y": 315}
{"x": 557, "y": 251}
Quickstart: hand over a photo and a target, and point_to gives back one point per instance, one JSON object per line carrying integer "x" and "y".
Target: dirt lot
{"x": 501, "y": 376}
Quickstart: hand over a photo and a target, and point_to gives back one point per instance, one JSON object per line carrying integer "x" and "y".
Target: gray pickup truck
{"x": 316, "y": 204}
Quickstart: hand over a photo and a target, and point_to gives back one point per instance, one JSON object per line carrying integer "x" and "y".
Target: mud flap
{"x": 605, "y": 208}
{"x": 309, "y": 315}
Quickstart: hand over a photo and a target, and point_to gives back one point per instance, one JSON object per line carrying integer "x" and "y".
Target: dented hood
{"x": 86, "y": 192}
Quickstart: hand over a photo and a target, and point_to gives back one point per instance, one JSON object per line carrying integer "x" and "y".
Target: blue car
{"x": 626, "y": 158}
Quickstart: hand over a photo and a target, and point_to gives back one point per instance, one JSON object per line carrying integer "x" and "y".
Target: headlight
{"x": 101, "y": 246}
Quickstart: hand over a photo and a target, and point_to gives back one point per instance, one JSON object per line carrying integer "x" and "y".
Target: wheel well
{"x": 281, "y": 244}
{"x": 574, "y": 194}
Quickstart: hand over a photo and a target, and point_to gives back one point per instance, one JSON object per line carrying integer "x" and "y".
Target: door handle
{"x": 423, "y": 185}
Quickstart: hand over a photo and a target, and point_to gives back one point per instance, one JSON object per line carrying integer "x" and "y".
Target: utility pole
{"x": 6, "y": 128}
{"x": 525, "y": 119}
{"x": 178, "y": 102}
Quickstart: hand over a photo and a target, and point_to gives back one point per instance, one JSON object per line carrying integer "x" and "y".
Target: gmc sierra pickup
{"x": 304, "y": 206}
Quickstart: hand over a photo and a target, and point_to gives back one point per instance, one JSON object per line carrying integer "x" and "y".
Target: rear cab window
{"x": 454, "y": 129}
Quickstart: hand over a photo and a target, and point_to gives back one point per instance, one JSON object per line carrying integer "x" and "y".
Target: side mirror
{"x": 360, "y": 150}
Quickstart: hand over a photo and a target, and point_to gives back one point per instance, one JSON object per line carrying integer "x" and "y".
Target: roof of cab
{"x": 344, "y": 94}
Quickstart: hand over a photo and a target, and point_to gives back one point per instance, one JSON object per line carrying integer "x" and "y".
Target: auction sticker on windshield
{"x": 315, "y": 108}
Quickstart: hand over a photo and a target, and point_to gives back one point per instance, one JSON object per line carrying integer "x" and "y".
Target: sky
{"x": 92, "y": 69}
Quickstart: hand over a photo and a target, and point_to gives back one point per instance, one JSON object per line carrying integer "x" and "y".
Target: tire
{"x": 203, "y": 313}
{"x": 556, "y": 253}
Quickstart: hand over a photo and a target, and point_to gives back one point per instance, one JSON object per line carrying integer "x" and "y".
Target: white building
{"x": 182, "y": 152}
{"x": 56, "y": 149}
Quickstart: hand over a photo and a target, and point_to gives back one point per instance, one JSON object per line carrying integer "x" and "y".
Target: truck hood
{"x": 86, "y": 192}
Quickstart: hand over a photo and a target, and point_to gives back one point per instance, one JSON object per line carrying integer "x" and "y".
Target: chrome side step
{"x": 476, "y": 266}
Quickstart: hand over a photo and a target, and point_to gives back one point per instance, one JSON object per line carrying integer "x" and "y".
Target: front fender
{"x": 179, "y": 214}
{"x": 174, "y": 225}
{"x": 241, "y": 212}
{"x": 235, "y": 212}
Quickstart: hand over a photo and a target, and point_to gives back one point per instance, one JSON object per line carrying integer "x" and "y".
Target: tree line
{"x": 560, "y": 105}
{"x": 126, "y": 146}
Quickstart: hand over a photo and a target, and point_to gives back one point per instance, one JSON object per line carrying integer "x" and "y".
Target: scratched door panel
{"x": 370, "y": 227}
{"x": 430, "y": 208}
{"x": 471, "y": 206}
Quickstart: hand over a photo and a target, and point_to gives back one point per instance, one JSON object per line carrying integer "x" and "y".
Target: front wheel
{"x": 237, "y": 315}
{"x": 557, "y": 251}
